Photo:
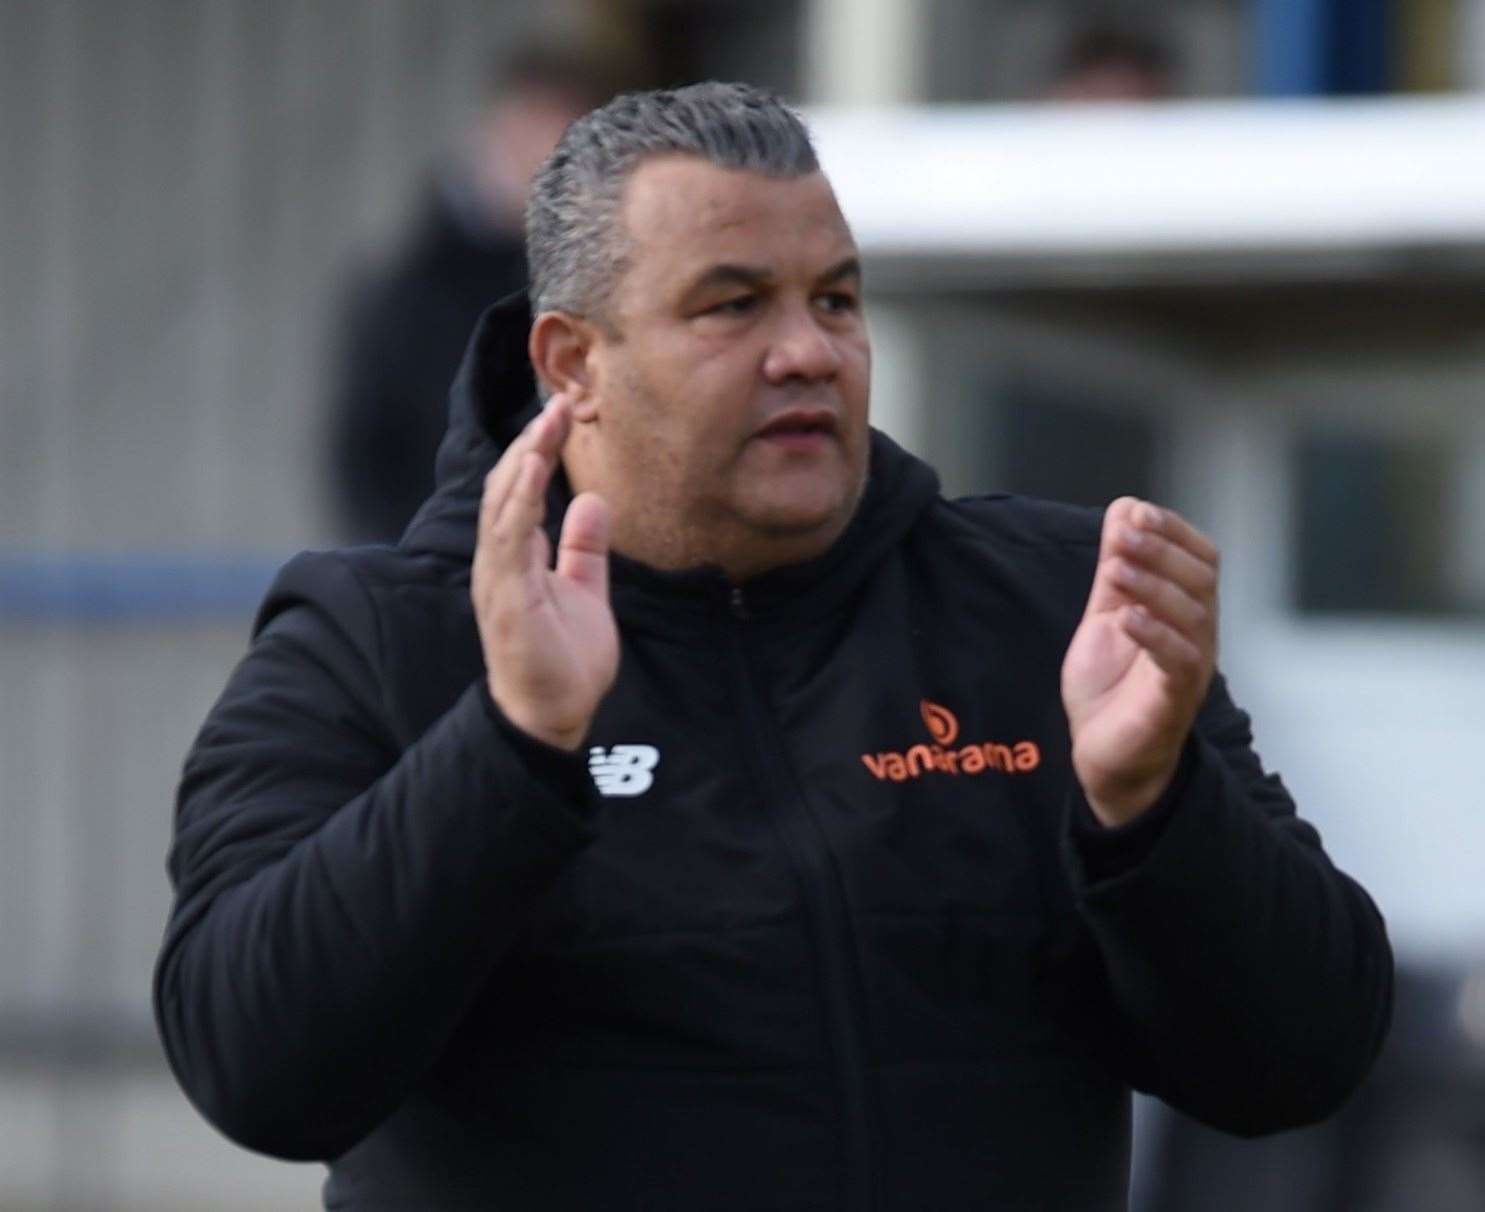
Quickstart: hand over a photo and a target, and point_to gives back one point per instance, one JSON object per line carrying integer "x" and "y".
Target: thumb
{"x": 582, "y": 552}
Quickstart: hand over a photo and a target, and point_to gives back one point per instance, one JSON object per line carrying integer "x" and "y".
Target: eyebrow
{"x": 753, "y": 276}
{"x": 730, "y": 275}
{"x": 849, "y": 268}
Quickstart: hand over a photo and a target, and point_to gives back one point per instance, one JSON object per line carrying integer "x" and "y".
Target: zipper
{"x": 825, "y": 905}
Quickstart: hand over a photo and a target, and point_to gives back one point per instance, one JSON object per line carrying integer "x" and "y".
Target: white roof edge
{"x": 982, "y": 180}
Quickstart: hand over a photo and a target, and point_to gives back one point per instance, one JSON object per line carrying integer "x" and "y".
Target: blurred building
{"x": 1261, "y": 303}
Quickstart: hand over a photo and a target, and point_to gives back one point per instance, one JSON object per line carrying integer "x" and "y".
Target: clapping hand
{"x": 550, "y": 641}
{"x": 1142, "y": 658}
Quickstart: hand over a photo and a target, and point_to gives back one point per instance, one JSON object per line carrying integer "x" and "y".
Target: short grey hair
{"x": 574, "y": 237}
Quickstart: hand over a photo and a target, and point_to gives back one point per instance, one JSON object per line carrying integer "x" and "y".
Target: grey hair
{"x": 574, "y": 237}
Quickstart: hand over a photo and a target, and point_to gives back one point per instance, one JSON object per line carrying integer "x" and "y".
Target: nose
{"x": 801, "y": 349}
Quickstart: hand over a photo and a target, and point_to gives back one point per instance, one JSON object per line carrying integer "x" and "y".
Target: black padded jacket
{"x": 819, "y": 919}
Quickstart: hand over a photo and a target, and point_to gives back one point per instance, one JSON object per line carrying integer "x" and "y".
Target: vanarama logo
{"x": 944, "y": 756}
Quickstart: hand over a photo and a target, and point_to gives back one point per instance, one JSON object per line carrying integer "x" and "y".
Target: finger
{"x": 1166, "y": 559}
{"x": 1173, "y": 653}
{"x": 509, "y": 544}
{"x": 1105, "y": 594}
{"x": 1114, "y": 517}
{"x": 544, "y": 433}
{"x": 502, "y": 478}
{"x": 1165, "y": 599}
{"x": 1170, "y": 525}
{"x": 549, "y": 429}
{"x": 582, "y": 552}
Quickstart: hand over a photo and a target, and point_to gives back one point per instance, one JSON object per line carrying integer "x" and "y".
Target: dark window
{"x": 1378, "y": 526}
{"x": 1071, "y": 448}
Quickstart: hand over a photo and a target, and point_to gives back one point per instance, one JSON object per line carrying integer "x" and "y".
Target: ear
{"x": 560, "y": 347}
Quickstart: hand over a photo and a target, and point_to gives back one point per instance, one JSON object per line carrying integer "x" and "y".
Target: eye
{"x": 838, "y": 301}
{"x": 738, "y": 305}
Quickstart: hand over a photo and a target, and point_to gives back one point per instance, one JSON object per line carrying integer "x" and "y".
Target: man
{"x": 749, "y": 855}
{"x": 405, "y": 324}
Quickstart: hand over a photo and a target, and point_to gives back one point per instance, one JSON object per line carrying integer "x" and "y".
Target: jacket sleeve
{"x": 1254, "y": 979}
{"x": 338, "y": 901}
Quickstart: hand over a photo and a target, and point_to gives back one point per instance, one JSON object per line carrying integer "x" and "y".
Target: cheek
{"x": 658, "y": 426}
{"x": 855, "y": 381}
{"x": 707, "y": 406}
{"x": 683, "y": 407}
{"x": 858, "y": 360}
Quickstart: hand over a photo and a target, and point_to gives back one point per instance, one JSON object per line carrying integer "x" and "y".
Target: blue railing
{"x": 110, "y": 589}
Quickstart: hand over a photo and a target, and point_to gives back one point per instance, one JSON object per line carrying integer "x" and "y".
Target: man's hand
{"x": 1141, "y": 660}
{"x": 550, "y": 641}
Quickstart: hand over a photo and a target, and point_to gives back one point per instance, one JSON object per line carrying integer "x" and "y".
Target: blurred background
{"x": 1229, "y": 254}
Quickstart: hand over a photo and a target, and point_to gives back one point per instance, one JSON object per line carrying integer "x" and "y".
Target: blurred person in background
{"x": 405, "y": 325}
{"x": 1107, "y": 62}
{"x": 906, "y": 837}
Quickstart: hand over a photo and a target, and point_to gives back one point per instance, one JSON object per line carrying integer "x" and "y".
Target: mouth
{"x": 800, "y": 428}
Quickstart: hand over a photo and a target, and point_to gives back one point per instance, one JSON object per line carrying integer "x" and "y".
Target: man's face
{"x": 732, "y": 390}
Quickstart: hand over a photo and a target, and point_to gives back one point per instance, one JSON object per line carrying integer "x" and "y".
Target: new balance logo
{"x": 623, "y": 769}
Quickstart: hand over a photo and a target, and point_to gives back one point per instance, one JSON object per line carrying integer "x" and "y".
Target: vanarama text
{"x": 1019, "y": 758}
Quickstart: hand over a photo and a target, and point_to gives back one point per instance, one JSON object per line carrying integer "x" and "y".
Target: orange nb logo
{"x": 943, "y": 756}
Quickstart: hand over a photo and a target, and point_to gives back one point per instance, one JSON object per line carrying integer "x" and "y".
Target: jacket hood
{"x": 493, "y": 398}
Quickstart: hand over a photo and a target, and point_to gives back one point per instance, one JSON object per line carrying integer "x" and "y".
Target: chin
{"x": 801, "y": 513}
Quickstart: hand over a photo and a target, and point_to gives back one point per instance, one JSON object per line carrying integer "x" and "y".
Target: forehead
{"x": 682, "y": 215}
